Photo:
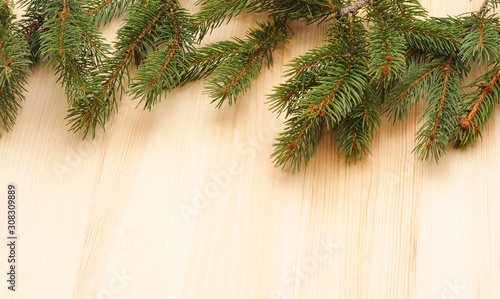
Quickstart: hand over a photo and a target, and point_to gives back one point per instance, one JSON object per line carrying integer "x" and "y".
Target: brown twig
{"x": 482, "y": 8}
{"x": 2, "y": 54}
{"x": 350, "y": 8}
{"x": 64, "y": 13}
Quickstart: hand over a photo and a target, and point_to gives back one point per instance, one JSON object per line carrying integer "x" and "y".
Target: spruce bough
{"x": 379, "y": 57}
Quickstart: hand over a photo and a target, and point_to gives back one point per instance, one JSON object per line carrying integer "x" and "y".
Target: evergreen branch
{"x": 480, "y": 44}
{"x": 297, "y": 144}
{"x": 127, "y": 55}
{"x": 103, "y": 11}
{"x": 163, "y": 68}
{"x": 478, "y": 109}
{"x": 98, "y": 7}
{"x": 400, "y": 8}
{"x": 410, "y": 9}
{"x": 316, "y": 61}
{"x": 309, "y": 11}
{"x": 214, "y": 12}
{"x": 249, "y": 63}
{"x": 328, "y": 103}
{"x": 31, "y": 24}
{"x": 326, "y": 100}
{"x": 205, "y": 60}
{"x": 405, "y": 94}
{"x": 94, "y": 106}
{"x": 63, "y": 19}
{"x": 14, "y": 67}
{"x": 441, "y": 114}
{"x": 89, "y": 39}
{"x": 430, "y": 36}
{"x": 443, "y": 96}
{"x": 303, "y": 75}
{"x": 410, "y": 53}
{"x": 482, "y": 9}
{"x": 355, "y": 132}
{"x": 32, "y": 29}
{"x": 235, "y": 74}
{"x": 433, "y": 35}
{"x": 475, "y": 108}
{"x": 71, "y": 44}
{"x": 387, "y": 51}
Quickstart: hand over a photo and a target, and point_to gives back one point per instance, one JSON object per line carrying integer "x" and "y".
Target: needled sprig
{"x": 354, "y": 134}
{"x": 136, "y": 39}
{"x": 477, "y": 108}
{"x": 214, "y": 12}
{"x": 414, "y": 84}
{"x": 337, "y": 90}
{"x": 31, "y": 25}
{"x": 442, "y": 110}
{"x": 71, "y": 44}
{"x": 480, "y": 43}
{"x": 303, "y": 74}
{"x": 162, "y": 70}
{"x": 14, "y": 66}
{"x": 430, "y": 35}
{"x": 103, "y": 11}
{"x": 234, "y": 75}
{"x": 308, "y": 11}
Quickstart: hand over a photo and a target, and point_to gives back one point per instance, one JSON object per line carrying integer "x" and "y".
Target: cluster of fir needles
{"x": 14, "y": 67}
{"x": 378, "y": 57}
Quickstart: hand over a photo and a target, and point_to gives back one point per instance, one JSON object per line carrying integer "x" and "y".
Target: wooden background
{"x": 184, "y": 202}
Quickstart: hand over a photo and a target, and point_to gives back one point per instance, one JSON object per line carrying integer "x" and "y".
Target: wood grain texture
{"x": 107, "y": 218}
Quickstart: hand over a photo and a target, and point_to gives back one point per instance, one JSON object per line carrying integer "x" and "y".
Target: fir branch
{"x": 296, "y": 145}
{"x": 355, "y": 132}
{"x": 205, "y": 60}
{"x": 103, "y": 11}
{"x": 482, "y": 9}
{"x": 100, "y": 97}
{"x": 302, "y": 76}
{"x": 71, "y": 44}
{"x": 387, "y": 51}
{"x": 31, "y": 25}
{"x": 316, "y": 61}
{"x": 442, "y": 112}
{"x": 480, "y": 44}
{"x": 14, "y": 67}
{"x": 410, "y": 10}
{"x": 308, "y": 11}
{"x": 163, "y": 68}
{"x": 478, "y": 109}
{"x": 235, "y": 74}
{"x": 430, "y": 36}
{"x": 328, "y": 103}
{"x": 411, "y": 87}
{"x": 403, "y": 12}
{"x": 214, "y": 12}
